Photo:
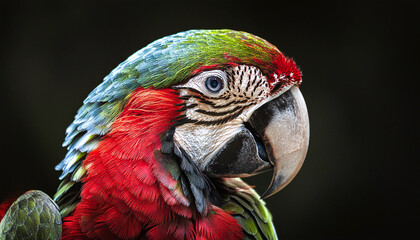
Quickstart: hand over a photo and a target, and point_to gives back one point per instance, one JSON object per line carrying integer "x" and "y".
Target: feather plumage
{"x": 122, "y": 176}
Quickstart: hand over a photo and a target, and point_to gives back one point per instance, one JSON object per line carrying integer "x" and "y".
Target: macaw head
{"x": 239, "y": 110}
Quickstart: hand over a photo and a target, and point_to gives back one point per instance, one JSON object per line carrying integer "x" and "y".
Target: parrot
{"x": 159, "y": 148}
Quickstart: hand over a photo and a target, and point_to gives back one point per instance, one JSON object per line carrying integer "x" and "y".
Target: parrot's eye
{"x": 211, "y": 83}
{"x": 214, "y": 84}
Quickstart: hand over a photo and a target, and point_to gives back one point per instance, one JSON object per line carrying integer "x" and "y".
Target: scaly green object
{"x": 33, "y": 216}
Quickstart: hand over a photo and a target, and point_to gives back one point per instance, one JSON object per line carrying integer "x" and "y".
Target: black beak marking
{"x": 262, "y": 152}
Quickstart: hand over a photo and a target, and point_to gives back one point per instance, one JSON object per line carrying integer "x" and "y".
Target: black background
{"x": 360, "y": 71}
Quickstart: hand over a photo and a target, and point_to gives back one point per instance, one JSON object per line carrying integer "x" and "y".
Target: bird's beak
{"x": 276, "y": 136}
{"x": 283, "y": 126}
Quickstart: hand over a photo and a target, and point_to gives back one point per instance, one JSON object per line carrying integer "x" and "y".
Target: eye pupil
{"x": 214, "y": 84}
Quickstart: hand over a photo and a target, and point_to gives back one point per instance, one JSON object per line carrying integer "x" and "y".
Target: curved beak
{"x": 275, "y": 136}
{"x": 283, "y": 126}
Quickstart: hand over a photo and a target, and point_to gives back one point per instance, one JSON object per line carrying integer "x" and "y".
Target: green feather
{"x": 233, "y": 207}
{"x": 250, "y": 211}
{"x": 248, "y": 224}
{"x": 33, "y": 216}
{"x": 64, "y": 187}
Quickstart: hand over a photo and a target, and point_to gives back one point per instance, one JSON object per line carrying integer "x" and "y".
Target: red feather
{"x": 128, "y": 194}
{"x": 5, "y": 205}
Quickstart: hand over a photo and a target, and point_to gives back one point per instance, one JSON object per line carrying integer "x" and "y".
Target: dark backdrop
{"x": 358, "y": 62}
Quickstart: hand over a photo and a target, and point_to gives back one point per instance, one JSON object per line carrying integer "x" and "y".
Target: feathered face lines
{"x": 217, "y": 96}
{"x": 239, "y": 88}
{"x": 215, "y": 106}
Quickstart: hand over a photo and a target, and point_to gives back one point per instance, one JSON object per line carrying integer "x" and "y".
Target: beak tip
{"x": 277, "y": 183}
